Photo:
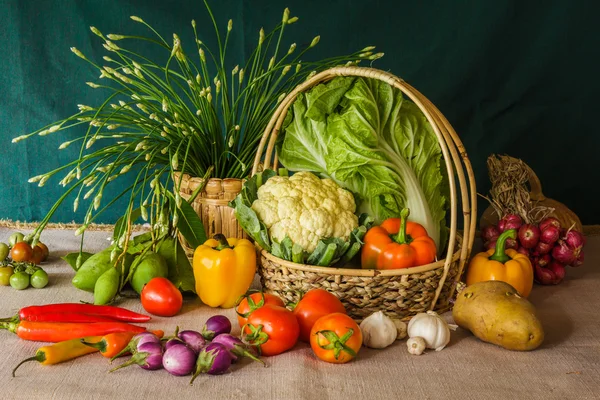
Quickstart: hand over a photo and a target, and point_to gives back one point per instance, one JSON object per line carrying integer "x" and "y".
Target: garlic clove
{"x": 401, "y": 329}
{"x": 416, "y": 345}
{"x": 379, "y": 331}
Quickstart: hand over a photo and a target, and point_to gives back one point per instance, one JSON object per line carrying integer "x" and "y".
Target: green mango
{"x": 152, "y": 265}
{"x": 86, "y": 276}
{"x": 180, "y": 269}
{"x": 107, "y": 286}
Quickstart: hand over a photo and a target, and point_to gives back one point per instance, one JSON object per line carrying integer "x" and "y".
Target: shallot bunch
{"x": 549, "y": 246}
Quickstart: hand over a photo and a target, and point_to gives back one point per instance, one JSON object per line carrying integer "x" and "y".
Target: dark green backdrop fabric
{"x": 513, "y": 77}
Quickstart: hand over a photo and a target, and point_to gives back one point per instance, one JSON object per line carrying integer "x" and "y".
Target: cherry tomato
{"x": 21, "y": 251}
{"x": 160, "y": 297}
{"x": 273, "y": 329}
{"x": 45, "y": 251}
{"x": 5, "y": 274}
{"x": 38, "y": 255}
{"x": 315, "y": 304}
{"x": 250, "y": 302}
{"x": 336, "y": 338}
{"x": 39, "y": 279}
{"x": 19, "y": 280}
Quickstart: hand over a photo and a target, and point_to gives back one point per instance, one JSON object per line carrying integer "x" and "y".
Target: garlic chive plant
{"x": 158, "y": 119}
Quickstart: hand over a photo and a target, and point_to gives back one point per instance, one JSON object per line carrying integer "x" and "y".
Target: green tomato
{"x": 39, "y": 279}
{"x": 15, "y": 238}
{"x": 3, "y": 251}
{"x": 19, "y": 281}
{"x": 5, "y": 274}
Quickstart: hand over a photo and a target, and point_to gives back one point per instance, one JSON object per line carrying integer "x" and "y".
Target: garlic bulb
{"x": 416, "y": 345}
{"x": 378, "y": 330}
{"x": 432, "y": 328}
{"x": 400, "y": 328}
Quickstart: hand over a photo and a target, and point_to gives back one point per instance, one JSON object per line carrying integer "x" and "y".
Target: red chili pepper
{"x": 59, "y": 317}
{"x": 61, "y": 331}
{"x": 113, "y": 312}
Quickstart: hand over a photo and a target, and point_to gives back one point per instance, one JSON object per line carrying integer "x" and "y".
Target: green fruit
{"x": 19, "y": 281}
{"x": 5, "y": 274}
{"x": 152, "y": 265}
{"x": 15, "y": 238}
{"x": 39, "y": 279}
{"x": 107, "y": 286}
{"x": 181, "y": 273}
{"x": 3, "y": 251}
{"x": 94, "y": 267}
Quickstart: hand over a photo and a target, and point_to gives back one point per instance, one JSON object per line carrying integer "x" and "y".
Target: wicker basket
{"x": 211, "y": 206}
{"x": 399, "y": 293}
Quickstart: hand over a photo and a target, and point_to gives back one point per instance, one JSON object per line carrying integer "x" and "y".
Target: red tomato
{"x": 315, "y": 304}
{"x": 161, "y": 297}
{"x": 21, "y": 251}
{"x": 273, "y": 329}
{"x": 38, "y": 255}
{"x": 250, "y": 302}
{"x": 45, "y": 251}
{"x": 341, "y": 331}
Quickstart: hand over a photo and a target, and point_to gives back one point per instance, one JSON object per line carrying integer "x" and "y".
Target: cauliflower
{"x": 306, "y": 209}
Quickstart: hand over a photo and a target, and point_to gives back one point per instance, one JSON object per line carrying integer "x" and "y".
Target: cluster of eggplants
{"x": 549, "y": 246}
{"x": 189, "y": 352}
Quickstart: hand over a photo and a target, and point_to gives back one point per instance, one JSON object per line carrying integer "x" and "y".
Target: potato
{"x": 495, "y": 313}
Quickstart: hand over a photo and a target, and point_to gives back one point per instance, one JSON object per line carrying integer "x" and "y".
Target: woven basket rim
{"x": 359, "y": 272}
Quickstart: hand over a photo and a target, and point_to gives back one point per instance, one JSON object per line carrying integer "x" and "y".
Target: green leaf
{"x": 71, "y": 258}
{"x": 190, "y": 225}
{"x": 144, "y": 237}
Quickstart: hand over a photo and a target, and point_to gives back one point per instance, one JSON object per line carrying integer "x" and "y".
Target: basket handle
{"x": 536, "y": 186}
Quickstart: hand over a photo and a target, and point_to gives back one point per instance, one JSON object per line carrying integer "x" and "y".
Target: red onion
{"x": 529, "y": 236}
{"x": 490, "y": 245}
{"x": 544, "y": 275}
{"x": 544, "y": 260}
{"x": 579, "y": 260}
{"x": 543, "y": 248}
{"x": 550, "y": 234}
{"x": 510, "y": 221}
{"x": 563, "y": 253}
{"x": 511, "y": 243}
{"x": 523, "y": 250}
{"x": 558, "y": 269}
{"x": 489, "y": 232}
{"x": 550, "y": 221}
{"x": 575, "y": 239}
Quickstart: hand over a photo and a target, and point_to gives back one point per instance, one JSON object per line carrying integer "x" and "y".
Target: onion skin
{"x": 550, "y": 234}
{"x": 179, "y": 359}
{"x": 575, "y": 239}
{"x": 544, "y": 260}
{"x": 523, "y": 251}
{"x": 490, "y": 232}
{"x": 529, "y": 236}
{"x": 510, "y": 221}
{"x": 544, "y": 276}
{"x": 559, "y": 271}
{"x": 550, "y": 221}
{"x": 543, "y": 248}
{"x": 490, "y": 244}
{"x": 563, "y": 253}
{"x": 511, "y": 243}
{"x": 579, "y": 260}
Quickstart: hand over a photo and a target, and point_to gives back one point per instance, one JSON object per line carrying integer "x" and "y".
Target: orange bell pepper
{"x": 397, "y": 243}
{"x": 507, "y": 265}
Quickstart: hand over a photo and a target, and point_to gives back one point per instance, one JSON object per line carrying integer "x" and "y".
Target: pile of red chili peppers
{"x": 59, "y": 322}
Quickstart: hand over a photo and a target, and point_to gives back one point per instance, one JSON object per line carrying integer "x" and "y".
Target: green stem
{"x": 402, "y": 237}
{"x": 9, "y": 326}
{"x": 223, "y": 244}
{"x": 500, "y": 252}
{"x": 40, "y": 356}
{"x": 101, "y": 345}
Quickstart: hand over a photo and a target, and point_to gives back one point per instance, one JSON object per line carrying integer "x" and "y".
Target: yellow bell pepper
{"x": 224, "y": 270}
{"x": 499, "y": 264}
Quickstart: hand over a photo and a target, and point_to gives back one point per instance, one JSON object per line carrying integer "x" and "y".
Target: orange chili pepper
{"x": 112, "y": 344}
{"x": 397, "y": 243}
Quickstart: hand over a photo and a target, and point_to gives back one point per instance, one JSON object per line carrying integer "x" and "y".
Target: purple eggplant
{"x": 135, "y": 342}
{"x": 216, "y": 325}
{"x": 193, "y": 339}
{"x": 179, "y": 359}
{"x": 173, "y": 342}
{"x": 236, "y": 347}
{"x": 213, "y": 359}
{"x": 148, "y": 355}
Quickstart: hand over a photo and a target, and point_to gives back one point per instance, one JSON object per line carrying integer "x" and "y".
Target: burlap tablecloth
{"x": 567, "y": 366}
